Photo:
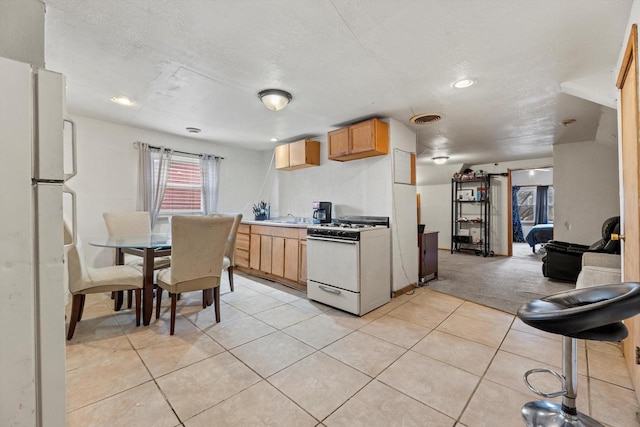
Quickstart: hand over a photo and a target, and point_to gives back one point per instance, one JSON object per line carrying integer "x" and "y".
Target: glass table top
{"x": 154, "y": 240}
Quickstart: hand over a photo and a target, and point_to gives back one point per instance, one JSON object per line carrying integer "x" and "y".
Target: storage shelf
{"x": 471, "y": 189}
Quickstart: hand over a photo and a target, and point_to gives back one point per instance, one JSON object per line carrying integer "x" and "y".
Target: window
{"x": 527, "y": 204}
{"x": 183, "y": 194}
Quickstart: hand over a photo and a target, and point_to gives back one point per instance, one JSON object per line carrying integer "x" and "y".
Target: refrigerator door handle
{"x": 74, "y": 219}
{"x": 74, "y": 152}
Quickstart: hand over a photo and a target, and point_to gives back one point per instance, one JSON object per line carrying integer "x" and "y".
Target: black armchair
{"x": 563, "y": 260}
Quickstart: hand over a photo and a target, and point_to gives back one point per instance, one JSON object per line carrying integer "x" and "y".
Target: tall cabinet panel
{"x": 471, "y": 215}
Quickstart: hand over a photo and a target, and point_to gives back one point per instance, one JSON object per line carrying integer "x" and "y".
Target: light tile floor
{"x": 278, "y": 359}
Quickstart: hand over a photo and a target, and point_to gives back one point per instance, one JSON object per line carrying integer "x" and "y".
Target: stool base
{"x": 549, "y": 414}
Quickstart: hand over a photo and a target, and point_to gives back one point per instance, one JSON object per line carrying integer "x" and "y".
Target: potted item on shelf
{"x": 262, "y": 210}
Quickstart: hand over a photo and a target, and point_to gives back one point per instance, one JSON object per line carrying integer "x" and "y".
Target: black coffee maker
{"x": 321, "y": 212}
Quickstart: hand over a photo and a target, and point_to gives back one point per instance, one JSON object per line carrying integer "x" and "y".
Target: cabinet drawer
{"x": 338, "y": 298}
{"x": 242, "y": 258}
{"x": 244, "y": 229}
{"x": 242, "y": 241}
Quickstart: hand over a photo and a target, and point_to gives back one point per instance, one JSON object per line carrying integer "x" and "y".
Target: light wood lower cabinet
{"x": 277, "y": 253}
{"x": 243, "y": 240}
{"x": 302, "y": 269}
{"x": 291, "y": 256}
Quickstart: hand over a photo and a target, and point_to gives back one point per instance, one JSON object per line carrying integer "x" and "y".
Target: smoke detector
{"x": 426, "y": 118}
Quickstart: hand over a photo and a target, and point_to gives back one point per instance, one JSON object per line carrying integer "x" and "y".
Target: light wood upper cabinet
{"x": 364, "y": 139}
{"x": 297, "y": 155}
{"x": 282, "y": 156}
{"x": 338, "y": 143}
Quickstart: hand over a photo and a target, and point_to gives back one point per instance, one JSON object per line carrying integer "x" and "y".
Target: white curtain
{"x": 210, "y": 170}
{"x": 152, "y": 179}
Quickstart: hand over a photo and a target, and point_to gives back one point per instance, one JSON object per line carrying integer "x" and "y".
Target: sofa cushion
{"x": 594, "y": 275}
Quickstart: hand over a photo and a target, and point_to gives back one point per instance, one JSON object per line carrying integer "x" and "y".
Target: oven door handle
{"x": 330, "y": 290}
{"x": 325, "y": 239}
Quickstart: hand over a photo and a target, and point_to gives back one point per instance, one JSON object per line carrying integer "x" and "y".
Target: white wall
{"x": 108, "y": 175}
{"x": 359, "y": 187}
{"x": 435, "y": 201}
{"x": 585, "y": 188}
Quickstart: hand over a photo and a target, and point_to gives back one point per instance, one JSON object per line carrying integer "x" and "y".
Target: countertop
{"x": 277, "y": 223}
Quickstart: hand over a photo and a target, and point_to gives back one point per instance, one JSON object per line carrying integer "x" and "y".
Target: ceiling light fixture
{"x": 275, "y": 99}
{"x": 193, "y": 130}
{"x": 463, "y": 83}
{"x": 274, "y": 140}
{"x": 440, "y": 160}
{"x": 122, "y": 100}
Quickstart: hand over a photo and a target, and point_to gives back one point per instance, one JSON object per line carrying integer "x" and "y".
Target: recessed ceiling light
{"x": 194, "y": 130}
{"x": 274, "y": 140}
{"x": 440, "y": 160}
{"x": 122, "y": 100}
{"x": 463, "y": 83}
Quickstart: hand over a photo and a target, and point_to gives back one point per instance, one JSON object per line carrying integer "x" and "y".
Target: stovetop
{"x": 348, "y": 227}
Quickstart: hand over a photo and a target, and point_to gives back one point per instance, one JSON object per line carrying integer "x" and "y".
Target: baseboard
{"x": 404, "y": 290}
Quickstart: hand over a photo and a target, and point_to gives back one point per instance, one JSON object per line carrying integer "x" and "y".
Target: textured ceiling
{"x": 196, "y": 63}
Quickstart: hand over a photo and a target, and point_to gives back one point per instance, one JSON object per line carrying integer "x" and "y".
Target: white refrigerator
{"x": 32, "y": 182}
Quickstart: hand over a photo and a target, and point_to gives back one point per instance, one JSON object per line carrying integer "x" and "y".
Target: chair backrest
{"x": 75, "y": 263}
{"x": 198, "y": 245}
{"x": 231, "y": 241}
{"x": 127, "y": 223}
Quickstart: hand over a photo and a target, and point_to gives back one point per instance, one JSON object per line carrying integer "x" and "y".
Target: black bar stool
{"x": 593, "y": 313}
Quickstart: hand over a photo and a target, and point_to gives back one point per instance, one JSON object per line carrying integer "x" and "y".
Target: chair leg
{"x": 81, "y": 310}
{"x": 204, "y": 298}
{"x": 75, "y": 311}
{"x": 216, "y": 302}
{"x": 158, "y": 301}
{"x": 230, "y": 271}
{"x": 138, "y": 304}
{"x": 173, "y": 313}
{"x": 129, "y": 298}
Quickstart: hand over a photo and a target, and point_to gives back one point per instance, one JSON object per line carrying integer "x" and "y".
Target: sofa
{"x": 599, "y": 269}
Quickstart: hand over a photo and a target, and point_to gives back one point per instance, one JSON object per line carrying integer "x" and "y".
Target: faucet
{"x": 290, "y": 215}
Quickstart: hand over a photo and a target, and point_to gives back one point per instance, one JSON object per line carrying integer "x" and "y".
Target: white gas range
{"x": 349, "y": 263}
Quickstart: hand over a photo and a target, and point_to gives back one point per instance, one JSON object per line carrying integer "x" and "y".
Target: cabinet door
{"x": 291, "y": 254}
{"x": 339, "y": 142}
{"x": 362, "y": 137}
{"x": 282, "y": 156}
{"x": 302, "y": 269}
{"x": 265, "y": 253}
{"x": 254, "y": 252}
{"x": 297, "y": 153}
{"x": 277, "y": 256}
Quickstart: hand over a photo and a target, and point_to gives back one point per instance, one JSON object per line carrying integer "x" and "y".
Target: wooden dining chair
{"x": 84, "y": 280}
{"x": 229, "y": 260}
{"x": 197, "y": 254}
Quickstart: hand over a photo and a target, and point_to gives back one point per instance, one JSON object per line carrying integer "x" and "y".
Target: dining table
{"x": 146, "y": 246}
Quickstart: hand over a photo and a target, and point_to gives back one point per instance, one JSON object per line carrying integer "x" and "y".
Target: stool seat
{"x": 594, "y": 313}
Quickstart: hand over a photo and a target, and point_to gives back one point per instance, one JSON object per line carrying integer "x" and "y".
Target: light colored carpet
{"x": 504, "y": 283}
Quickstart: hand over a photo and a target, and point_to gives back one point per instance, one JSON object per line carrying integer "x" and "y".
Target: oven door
{"x": 334, "y": 262}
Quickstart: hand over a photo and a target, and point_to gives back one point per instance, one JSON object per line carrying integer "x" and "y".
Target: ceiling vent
{"x": 426, "y": 118}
